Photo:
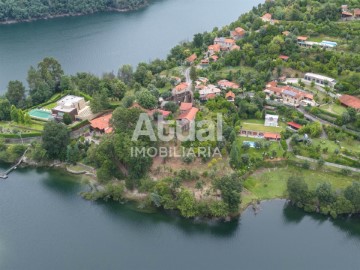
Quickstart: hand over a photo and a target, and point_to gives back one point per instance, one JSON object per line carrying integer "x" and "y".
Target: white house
{"x": 271, "y": 120}
{"x": 320, "y": 79}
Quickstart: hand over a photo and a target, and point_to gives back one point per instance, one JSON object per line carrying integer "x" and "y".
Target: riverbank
{"x": 64, "y": 15}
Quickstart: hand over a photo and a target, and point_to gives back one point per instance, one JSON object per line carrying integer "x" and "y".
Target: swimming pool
{"x": 40, "y": 114}
{"x": 251, "y": 144}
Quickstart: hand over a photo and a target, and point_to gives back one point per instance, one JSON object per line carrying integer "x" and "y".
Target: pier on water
{"x": 4, "y": 175}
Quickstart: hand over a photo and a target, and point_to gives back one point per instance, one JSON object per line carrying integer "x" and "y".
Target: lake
{"x": 45, "y": 224}
{"x": 103, "y": 42}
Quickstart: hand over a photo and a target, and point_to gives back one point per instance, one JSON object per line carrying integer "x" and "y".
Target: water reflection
{"x": 133, "y": 216}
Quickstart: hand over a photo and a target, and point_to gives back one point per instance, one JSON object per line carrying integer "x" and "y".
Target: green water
{"x": 45, "y": 224}
{"x": 103, "y": 42}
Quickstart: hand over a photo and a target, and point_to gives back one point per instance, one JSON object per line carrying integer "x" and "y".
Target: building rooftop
{"x": 350, "y": 101}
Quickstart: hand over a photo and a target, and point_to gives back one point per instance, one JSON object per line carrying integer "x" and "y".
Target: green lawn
{"x": 9, "y": 127}
{"x": 271, "y": 183}
{"x": 50, "y": 106}
{"x": 258, "y": 125}
{"x": 258, "y": 153}
{"x": 334, "y": 108}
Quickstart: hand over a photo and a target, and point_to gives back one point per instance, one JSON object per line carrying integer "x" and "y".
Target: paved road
{"x": 330, "y": 164}
{"x": 189, "y": 82}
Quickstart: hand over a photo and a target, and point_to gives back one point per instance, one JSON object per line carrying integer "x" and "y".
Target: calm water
{"x": 45, "y": 224}
{"x": 103, "y": 42}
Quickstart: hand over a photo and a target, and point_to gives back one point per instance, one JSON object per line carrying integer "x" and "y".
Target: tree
{"x": 230, "y": 187}
{"x": 14, "y": 114}
{"x": 55, "y": 139}
{"x": 5, "y": 109}
{"x": 67, "y": 119}
{"x": 297, "y": 189}
{"x": 100, "y": 102}
{"x": 146, "y": 99}
{"x": 198, "y": 40}
{"x": 235, "y": 157}
{"x": 325, "y": 194}
{"x": 193, "y": 73}
{"x": 352, "y": 193}
{"x": 186, "y": 204}
{"x": 171, "y": 106}
{"x": 16, "y": 93}
{"x": 126, "y": 74}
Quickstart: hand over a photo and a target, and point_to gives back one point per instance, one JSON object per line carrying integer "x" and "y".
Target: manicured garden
{"x": 333, "y": 108}
{"x": 258, "y": 125}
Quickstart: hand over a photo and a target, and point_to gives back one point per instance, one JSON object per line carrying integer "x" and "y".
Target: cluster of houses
{"x": 347, "y": 14}
{"x": 210, "y": 91}
{"x": 288, "y": 95}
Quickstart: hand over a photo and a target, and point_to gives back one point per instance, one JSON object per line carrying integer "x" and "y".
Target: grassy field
{"x": 9, "y": 127}
{"x": 258, "y": 153}
{"x": 258, "y": 125}
{"x": 271, "y": 183}
{"x": 50, "y": 106}
{"x": 334, "y": 108}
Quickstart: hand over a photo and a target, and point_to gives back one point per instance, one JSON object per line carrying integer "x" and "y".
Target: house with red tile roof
{"x": 225, "y": 43}
{"x": 271, "y": 136}
{"x": 209, "y": 90}
{"x": 289, "y": 95}
{"x": 213, "y": 49}
{"x": 230, "y": 96}
{"x": 191, "y": 58}
{"x": 284, "y": 57}
{"x": 102, "y": 124}
{"x": 294, "y": 126}
{"x": 225, "y": 84}
{"x": 357, "y": 13}
{"x": 286, "y": 33}
{"x": 185, "y": 107}
{"x": 186, "y": 119}
{"x": 238, "y": 33}
{"x": 266, "y": 17}
{"x": 181, "y": 87}
{"x": 164, "y": 113}
{"x": 350, "y": 101}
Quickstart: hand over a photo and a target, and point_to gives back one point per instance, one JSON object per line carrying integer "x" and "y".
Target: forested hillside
{"x": 14, "y": 10}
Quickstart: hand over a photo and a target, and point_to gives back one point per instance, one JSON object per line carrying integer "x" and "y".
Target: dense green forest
{"x": 11, "y": 10}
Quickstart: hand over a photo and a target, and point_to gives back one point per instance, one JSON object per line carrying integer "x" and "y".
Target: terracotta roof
{"x": 191, "y": 58}
{"x": 286, "y": 33}
{"x": 357, "y": 12}
{"x": 210, "y": 96}
{"x": 102, "y": 123}
{"x": 295, "y": 125}
{"x": 215, "y": 48}
{"x": 181, "y": 87}
{"x": 235, "y": 47}
{"x": 215, "y": 57}
{"x": 240, "y": 31}
{"x": 190, "y": 115}
{"x": 346, "y": 13}
{"x": 350, "y": 101}
{"x": 267, "y": 16}
{"x": 302, "y": 38}
{"x": 272, "y": 84}
{"x": 185, "y": 106}
{"x": 227, "y": 84}
{"x": 269, "y": 135}
{"x": 284, "y": 57}
{"x": 230, "y": 94}
{"x": 230, "y": 40}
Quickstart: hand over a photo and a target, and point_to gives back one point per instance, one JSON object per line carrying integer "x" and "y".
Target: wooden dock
{"x": 6, "y": 173}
